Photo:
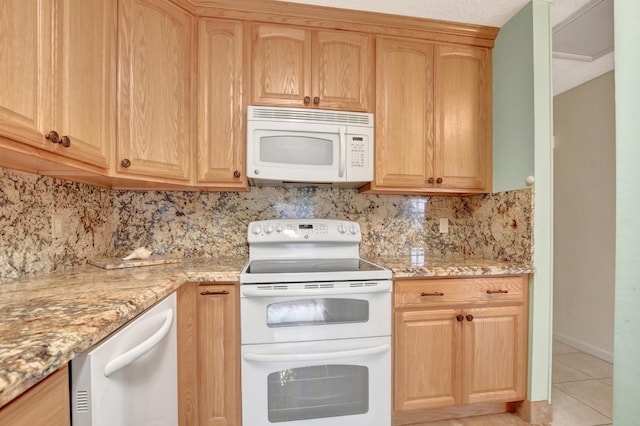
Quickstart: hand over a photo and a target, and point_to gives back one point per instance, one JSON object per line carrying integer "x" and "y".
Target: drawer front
{"x": 457, "y": 291}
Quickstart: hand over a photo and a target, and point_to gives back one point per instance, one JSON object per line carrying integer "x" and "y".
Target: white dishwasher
{"x": 131, "y": 377}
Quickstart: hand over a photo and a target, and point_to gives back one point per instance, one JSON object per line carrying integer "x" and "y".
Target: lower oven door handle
{"x": 317, "y": 356}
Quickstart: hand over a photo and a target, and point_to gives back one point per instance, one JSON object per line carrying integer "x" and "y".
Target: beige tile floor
{"x": 581, "y": 394}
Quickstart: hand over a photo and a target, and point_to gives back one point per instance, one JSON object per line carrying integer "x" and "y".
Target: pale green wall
{"x": 626, "y": 373}
{"x": 513, "y": 102}
{"x": 522, "y": 147}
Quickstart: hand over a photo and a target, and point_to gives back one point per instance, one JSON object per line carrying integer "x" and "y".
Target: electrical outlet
{"x": 444, "y": 225}
{"x": 57, "y": 228}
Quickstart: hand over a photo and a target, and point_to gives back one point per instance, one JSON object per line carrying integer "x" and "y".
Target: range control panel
{"x": 303, "y": 230}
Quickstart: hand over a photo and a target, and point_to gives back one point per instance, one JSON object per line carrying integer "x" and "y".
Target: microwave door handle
{"x": 342, "y": 146}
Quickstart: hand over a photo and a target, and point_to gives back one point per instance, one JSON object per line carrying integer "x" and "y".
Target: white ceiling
{"x": 567, "y": 73}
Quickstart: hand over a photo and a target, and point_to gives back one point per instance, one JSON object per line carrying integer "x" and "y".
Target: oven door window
{"x": 318, "y": 391}
{"x": 320, "y": 311}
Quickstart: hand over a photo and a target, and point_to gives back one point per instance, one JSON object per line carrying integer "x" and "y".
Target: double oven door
{"x": 316, "y": 354}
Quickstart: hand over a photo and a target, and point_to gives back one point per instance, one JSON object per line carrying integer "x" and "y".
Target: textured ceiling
{"x": 566, "y": 73}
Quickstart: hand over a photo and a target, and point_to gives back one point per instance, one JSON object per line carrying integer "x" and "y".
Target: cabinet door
{"x": 342, "y": 70}
{"x": 154, "y": 78}
{"x": 218, "y": 352}
{"x": 281, "y": 65}
{"x": 221, "y": 138}
{"x": 404, "y": 113}
{"x": 463, "y": 127}
{"x": 26, "y": 94}
{"x": 45, "y": 404}
{"x": 84, "y": 78}
{"x": 494, "y": 354}
{"x": 426, "y": 359}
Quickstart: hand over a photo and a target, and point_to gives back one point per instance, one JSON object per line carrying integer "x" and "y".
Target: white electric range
{"x": 315, "y": 327}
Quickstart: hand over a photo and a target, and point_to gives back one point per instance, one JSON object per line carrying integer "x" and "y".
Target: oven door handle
{"x": 316, "y": 356}
{"x": 251, "y": 291}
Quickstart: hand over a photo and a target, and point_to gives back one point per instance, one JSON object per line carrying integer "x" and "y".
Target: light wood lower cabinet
{"x": 45, "y": 404}
{"x": 458, "y": 343}
{"x": 208, "y": 354}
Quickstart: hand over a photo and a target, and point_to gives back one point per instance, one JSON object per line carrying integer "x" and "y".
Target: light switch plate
{"x": 444, "y": 225}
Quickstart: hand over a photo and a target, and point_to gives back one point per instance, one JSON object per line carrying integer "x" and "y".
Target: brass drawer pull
{"x": 213, "y": 293}
{"x": 437, "y": 293}
{"x": 497, "y": 291}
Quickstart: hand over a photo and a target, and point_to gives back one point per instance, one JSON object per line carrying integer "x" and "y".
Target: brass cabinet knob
{"x": 53, "y": 136}
{"x": 125, "y": 163}
{"x": 236, "y": 174}
{"x": 430, "y": 180}
{"x": 459, "y": 318}
{"x": 316, "y": 101}
{"x": 469, "y": 317}
{"x": 439, "y": 180}
{"x": 307, "y": 100}
{"x": 65, "y": 141}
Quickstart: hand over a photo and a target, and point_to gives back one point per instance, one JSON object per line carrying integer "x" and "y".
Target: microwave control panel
{"x": 358, "y": 148}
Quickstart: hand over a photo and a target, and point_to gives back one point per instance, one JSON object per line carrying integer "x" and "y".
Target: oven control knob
{"x": 353, "y": 230}
{"x": 268, "y": 229}
{"x": 278, "y": 228}
{"x": 256, "y": 229}
{"x": 342, "y": 229}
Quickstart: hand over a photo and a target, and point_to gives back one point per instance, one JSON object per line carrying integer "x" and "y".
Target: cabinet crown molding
{"x": 343, "y": 19}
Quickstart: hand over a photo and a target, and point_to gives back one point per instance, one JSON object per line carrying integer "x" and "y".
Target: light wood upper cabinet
{"x": 463, "y": 117}
{"x": 85, "y": 79}
{"x": 221, "y": 116}
{"x": 26, "y": 74}
{"x": 300, "y": 67}
{"x": 155, "y": 63}
{"x": 433, "y": 118}
{"x": 404, "y": 113}
{"x": 56, "y": 75}
{"x": 458, "y": 342}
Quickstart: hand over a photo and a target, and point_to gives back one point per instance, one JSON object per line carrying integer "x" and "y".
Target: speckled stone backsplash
{"x": 27, "y": 202}
{"x": 103, "y": 223}
{"x": 495, "y": 226}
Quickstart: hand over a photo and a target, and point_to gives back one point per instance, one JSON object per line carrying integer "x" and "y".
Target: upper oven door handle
{"x": 261, "y": 291}
{"x": 316, "y": 356}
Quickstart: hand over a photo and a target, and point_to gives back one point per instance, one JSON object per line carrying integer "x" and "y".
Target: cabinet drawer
{"x": 457, "y": 291}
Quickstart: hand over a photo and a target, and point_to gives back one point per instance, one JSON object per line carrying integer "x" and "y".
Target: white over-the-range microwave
{"x": 309, "y": 146}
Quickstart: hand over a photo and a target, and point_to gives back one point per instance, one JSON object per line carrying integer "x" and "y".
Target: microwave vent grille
{"x": 315, "y": 116}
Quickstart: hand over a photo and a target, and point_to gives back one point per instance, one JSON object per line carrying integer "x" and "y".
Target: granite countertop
{"x": 419, "y": 266}
{"x": 46, "y": 320}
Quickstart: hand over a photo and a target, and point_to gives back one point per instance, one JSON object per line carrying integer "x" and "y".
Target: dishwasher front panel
{"x": 131, "y": 377}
